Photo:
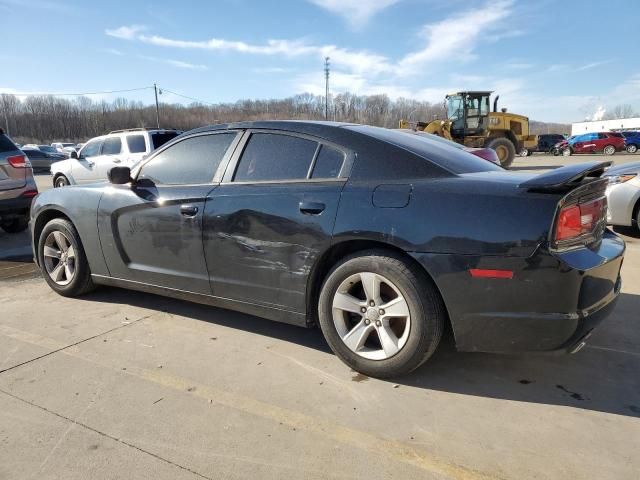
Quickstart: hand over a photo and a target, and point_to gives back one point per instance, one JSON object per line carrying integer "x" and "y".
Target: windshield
{"x": 454, "y": 107}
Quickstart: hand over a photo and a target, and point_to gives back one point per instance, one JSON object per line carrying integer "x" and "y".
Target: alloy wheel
{"x": 632, "y": 149}
{"x": 371, "y": 316}
{"x": 609, "y": 150}
{"x": 59, "y": 258}
{"x": 566, "y": 152}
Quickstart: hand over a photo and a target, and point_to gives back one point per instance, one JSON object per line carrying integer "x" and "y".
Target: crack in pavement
{"x": 132, "y": 322}
{"x": 105, "y": 435}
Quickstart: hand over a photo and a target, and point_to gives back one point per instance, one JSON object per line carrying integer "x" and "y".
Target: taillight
{"x": 30, "y": 193}
{"x": 19, "y": 161}
{"x": 582, "y": 220}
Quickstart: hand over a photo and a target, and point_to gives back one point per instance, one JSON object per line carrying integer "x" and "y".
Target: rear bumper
{"x": 552, "y": 302}
{"x": 15, "y": 206}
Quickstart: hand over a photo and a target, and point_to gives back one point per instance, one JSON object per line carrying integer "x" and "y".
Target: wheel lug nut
{"x": 372, "y": 303}
{"x": 378, "y": 323}
{"x": 363, "y": 310}
{"x": 381, "y": 311}
{"x": 367, "y": 321}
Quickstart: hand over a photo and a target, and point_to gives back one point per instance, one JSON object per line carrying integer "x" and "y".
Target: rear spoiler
{"x": 565, "y": 178}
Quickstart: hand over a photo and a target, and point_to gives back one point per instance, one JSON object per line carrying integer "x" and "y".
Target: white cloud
{"x": 113, "y": 51}
{"x": 175, "y": 63}
{"x": 456, "y": 37}
{"x": 125, "y": 32}
{"x": 356, "y": 12}
{"x": 589, "y": 66}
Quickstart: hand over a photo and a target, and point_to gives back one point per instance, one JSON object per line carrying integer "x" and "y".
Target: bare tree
{"x": 620, "y": 111}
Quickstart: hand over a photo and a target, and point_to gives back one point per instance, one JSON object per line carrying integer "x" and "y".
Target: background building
{"x": 606, "y": 125}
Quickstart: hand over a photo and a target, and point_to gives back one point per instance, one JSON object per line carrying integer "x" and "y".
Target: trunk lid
{"x": 11, "y": 178}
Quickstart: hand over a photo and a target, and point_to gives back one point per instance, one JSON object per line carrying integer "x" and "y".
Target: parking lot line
{"x": 393, "y": 449}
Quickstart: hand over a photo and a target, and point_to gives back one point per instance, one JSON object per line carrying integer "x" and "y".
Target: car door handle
{"x": 312, "y": 208}
{"x": 188, "y": 210}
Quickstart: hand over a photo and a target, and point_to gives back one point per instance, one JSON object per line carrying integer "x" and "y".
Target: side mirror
{"x": 74, "y": 154}
{"x": 119, "y": 175}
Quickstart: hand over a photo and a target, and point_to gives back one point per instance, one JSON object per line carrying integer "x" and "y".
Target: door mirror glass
{"x": 119, "y": 175}
{"x": 74, "y": 154}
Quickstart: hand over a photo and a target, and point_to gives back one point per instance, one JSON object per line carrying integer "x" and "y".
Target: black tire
{"x": 81, "y": 282}
{"x": 15, "y": 225}
{"x": 426, "y": 309}
{"x": 529, "y": 153}
{"x": 60, "y": 181}
{"x": 505, "y": 149}
{"x": 609, "y": 150}
{"x": 632, "y": 148}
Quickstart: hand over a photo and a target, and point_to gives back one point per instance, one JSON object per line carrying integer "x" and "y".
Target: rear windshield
{"x": 160, "y": 139}
{"x": 449, "y": 157}
{"x": 6, "y": 145}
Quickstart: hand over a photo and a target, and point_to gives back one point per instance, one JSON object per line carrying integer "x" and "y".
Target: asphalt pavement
{"x": 120, "y": 384}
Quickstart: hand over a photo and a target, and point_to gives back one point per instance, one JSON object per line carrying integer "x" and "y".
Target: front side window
{"x": 112, "y": 146}
{"x": 136, "y": 144}
{"x": 270, "y": 156}
{"x": 91, "y": 149}
{"x": 191, "y": 161}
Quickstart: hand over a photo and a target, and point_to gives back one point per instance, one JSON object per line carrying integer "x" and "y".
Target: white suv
{"x": 100, "y": 154}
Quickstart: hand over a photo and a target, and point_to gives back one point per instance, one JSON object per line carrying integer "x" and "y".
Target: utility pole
{"x": 326, "y": 85}
{"x": 155, "y": 88}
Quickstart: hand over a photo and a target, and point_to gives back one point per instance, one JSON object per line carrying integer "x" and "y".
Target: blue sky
{"x": 550, "y": 60}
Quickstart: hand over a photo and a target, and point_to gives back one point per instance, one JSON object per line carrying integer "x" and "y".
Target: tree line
{"x": 45, "y": 118}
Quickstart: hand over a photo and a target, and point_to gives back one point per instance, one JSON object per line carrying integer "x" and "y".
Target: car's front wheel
{"x": 380, "y": 314}
{"x": 567, "y": 152}
{"x": 62, "y": 259}
{"x": 60, "y": 181}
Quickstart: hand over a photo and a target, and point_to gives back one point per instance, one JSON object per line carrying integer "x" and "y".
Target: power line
{"x": 162, "y": 89}
{"x": 61, "y": 94}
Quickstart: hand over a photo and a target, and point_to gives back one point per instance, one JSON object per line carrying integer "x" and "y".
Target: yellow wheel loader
{"x": 471, "y": 122}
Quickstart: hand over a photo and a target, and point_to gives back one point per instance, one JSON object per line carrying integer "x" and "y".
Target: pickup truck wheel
{"x": 62, "y": 259}
{"x": 381, "y": 315}
{"x": 15, "y": 225}
{"x": 60, "y": 181}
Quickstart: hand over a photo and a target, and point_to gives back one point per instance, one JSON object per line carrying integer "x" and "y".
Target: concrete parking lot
{"x": 120, "y": 384}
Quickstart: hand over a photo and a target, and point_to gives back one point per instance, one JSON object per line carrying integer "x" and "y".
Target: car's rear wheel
{"x": 60, "y": 181}
{"x": 16, "y": 224}
{"x": 381, "y": 315}
{"x": 62, "y": 259}
{"x": 632, "y": 148}
{"x": 609, "y": 150}
{"x": 567, "y": 152}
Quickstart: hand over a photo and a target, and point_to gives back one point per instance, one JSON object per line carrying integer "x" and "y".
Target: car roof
{"x": 297, "y": 126}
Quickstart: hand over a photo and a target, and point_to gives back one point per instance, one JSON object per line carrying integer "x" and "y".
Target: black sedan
{"x": 42, "y": 161}
{"x": 383, "y": 239}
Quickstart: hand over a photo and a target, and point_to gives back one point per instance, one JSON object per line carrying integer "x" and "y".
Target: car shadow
{"x": 602, "y": 377}
{"x": 632, "y": 232}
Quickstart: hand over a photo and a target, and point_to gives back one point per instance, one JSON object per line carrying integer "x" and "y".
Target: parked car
{"x": 379, "y": 237}
{"x": 43, "y": 148}
{"x": 98, "y": 155}
{"x": 486, "y": 153}
{"x": 598, "y": 142}
{"x": 67, "y": 151}
{"x": 632, "y": 139}
{"x": 79, "y": 146}
{"x": 60, "y": 146}
{"x": 17, "y": 186}
{"x": 41, "y": 161}
{"x": 545, "y": 144}
{"x": 623, "y": 194}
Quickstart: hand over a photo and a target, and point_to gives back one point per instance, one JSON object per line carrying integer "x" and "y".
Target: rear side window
{"x": 159, "y": 139}
{"x": 112, "y": 146}
{"x": 191, "y": 161}
{"x": 616, "y": 134}
{"x": 328, "y": 163}
{"x": 6, "y": 145}
{"x": 136, "y": 144}
{"x": 270, "y": 156}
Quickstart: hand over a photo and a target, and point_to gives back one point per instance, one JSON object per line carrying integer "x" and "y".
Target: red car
{"x": 600, "y": 142}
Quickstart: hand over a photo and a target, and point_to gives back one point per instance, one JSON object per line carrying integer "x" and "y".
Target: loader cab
{"x": 468, "y": 113}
